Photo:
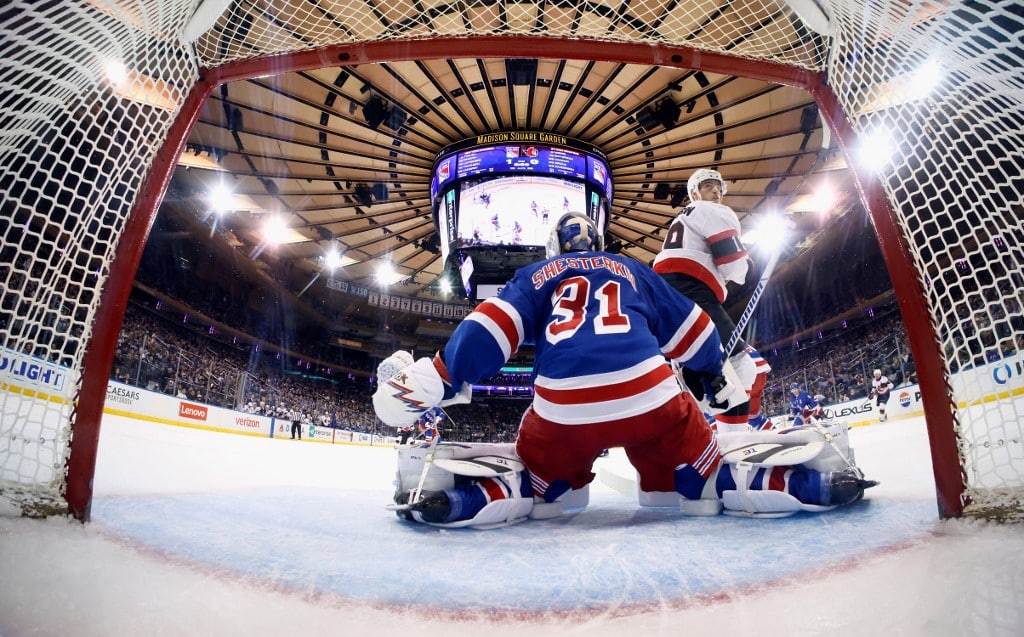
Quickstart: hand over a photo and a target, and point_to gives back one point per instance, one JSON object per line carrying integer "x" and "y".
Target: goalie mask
{"x": 699, "y": 177}
{"x": 574, "y": 232}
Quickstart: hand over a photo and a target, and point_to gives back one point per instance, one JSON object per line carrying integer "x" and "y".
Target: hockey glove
{"x": 694, "y": 383}
{"x": 393, "y": 364}
{"x": 401, "y": 399}
{"x": 714, "y": 388}
{"x": 720, "y": 390}
{"x": 753, "y": 275}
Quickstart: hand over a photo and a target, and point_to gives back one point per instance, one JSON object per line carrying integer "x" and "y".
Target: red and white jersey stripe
{"x": 703, "y": 243}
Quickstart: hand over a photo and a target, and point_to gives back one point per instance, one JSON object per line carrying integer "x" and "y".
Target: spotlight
{"x": 646, "y": 118}
{"x": 363, "y": 195}
{"x": 521, "y": 72}
{"x": 668, "y": 112}
{"x": 374, "y": 112}
{"x": 396, "y": 117}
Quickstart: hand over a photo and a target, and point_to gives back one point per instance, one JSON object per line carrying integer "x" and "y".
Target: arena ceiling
{"x": 342, "y": 156}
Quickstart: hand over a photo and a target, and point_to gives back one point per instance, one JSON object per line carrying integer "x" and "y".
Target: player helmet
{"x": 573, "y": 232}
{"x": 878, "y": 373}
{"x": 699, "y": 177}
{"x": 794, "y": 386}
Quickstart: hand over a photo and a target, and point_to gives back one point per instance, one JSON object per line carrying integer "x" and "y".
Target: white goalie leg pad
{"x": 411, "y": 463}
{"x": 511, "y": 510}
{"x": 837, "y": 454}
{"x": 496, "y": 514}
{"x": 411, "y": 459}
{"x": 824, "y": 446}
{"x": 744, "y": 502}
{"x": 478, "y": 460}
{"x": 708, "y": 505}
{"x": 765, "y": 504}
{"x": 572, "y": 499}
{"x": 704, "y": 507}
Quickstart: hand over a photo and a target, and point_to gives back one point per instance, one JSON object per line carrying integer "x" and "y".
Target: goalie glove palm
{"x": 414, "y": 389}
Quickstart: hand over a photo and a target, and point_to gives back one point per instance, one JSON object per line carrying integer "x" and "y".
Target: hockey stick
{"x": 428, "y": 460}
{"x": 755, "y": 296}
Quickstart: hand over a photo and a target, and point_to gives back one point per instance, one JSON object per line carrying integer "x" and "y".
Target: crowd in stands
{"x": 180, "y": 358}
{"x": 176, "y": 358}
{"x": 840, "y": 368}
{"x": 160, "y": 353}
{"x": 156, "y": 351}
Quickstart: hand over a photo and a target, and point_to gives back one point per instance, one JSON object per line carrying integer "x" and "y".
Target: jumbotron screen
{"x": 496, "y": 197}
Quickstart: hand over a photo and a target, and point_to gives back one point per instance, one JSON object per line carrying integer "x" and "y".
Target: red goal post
{"x": 87, "y": 151}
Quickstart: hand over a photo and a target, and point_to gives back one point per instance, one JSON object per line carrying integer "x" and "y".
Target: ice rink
{"x": 200, "y": 533}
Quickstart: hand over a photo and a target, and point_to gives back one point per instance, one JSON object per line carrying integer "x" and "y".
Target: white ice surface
{"x": 198, "y": 533}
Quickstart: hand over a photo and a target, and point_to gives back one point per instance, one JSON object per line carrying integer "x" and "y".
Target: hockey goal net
{"x": 99, "y": 96}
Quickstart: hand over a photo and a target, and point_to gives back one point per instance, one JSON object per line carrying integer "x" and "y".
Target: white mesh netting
{"x": 91, "y": 88}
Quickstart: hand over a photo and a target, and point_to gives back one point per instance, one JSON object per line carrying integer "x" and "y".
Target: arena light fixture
{"x": 133, "y": 85}
{"x": 116, "y": 72}
{"x": 333, "y": 258}
{"x": 274, "y": 230}
{"x": 386, "y": 274}
{"x": 824, "y": 198}
{"x": 926, "y": 78}
{"x": 769, "y": 234}
{"x": 221, "y": 198}
{"x": 875, "y": 150}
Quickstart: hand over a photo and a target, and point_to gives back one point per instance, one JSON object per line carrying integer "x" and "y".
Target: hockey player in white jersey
{"x": 701, "y": 254}
{"x": 880, "y": 389}
{"x": 602, "y": 326}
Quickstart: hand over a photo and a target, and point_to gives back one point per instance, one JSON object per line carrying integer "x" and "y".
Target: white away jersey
{"x": 703, "y": 242}
{"x": 881, "y": 385}
{"x": 602, "y": 326}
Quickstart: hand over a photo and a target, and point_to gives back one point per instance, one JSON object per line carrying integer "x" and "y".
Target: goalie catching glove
{"x": 403, "y": 395}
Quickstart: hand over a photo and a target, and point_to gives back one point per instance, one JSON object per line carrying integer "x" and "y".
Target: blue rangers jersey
{"x": 800, "y": 402}
{"x": 602, "y": 326}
